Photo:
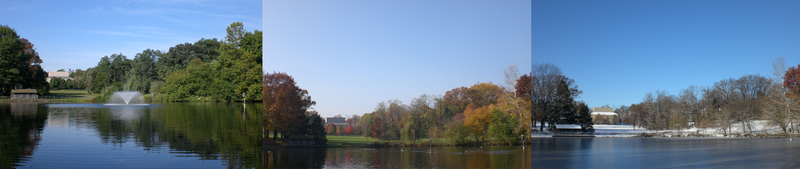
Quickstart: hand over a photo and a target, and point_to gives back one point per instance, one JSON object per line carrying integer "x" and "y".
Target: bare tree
{"x": 544, "y": 82}
{"x": 777, "y": 105}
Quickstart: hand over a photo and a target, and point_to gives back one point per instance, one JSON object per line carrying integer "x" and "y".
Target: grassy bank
{"x": 71, "y": 95}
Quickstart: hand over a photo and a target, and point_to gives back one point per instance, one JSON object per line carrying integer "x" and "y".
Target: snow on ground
{"x": 605, "y": 130}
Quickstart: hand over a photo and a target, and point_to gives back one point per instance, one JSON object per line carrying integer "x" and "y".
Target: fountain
{"x": 126, "y": 98}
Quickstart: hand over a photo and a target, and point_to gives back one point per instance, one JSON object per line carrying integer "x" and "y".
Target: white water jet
{"x": 126, "y": 98}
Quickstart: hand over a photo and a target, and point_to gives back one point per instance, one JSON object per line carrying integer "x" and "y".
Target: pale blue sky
{"x": 617, "y": 51}
{"x": 76, "y": 34}
{"x": 351, "y": 55}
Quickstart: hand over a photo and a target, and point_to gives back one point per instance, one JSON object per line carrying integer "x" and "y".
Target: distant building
{"x": 24, "y": 94}
{"x": 338, "y": 121}
{"x": 62, "y": 75}
{"x": 604, "y": 115}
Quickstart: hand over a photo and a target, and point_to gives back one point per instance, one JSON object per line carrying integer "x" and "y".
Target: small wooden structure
{"x": 24, "y": 94}
{"x": 301, "y": 140}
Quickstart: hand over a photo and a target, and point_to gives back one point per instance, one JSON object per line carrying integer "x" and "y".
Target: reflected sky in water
{"x": 664, "y": 153}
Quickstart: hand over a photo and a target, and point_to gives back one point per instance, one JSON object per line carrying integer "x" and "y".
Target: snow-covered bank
{"x": 759, "y": 127}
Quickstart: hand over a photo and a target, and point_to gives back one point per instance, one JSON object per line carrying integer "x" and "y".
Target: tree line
{"x": 206, "y": 70}
{"x": 459, "y": 116}
{"x": 726, "y": 102}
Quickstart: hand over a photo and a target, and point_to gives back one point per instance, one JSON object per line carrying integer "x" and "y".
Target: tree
{"x": 313, "y": 125}
{"x": 366, "y": 123}
{"x": 377, "y": 128}
{"x": 584, "y": 117}
{"x": 503, "y": 127}
{"x": 331, "y": 128}
{"x": 19, "y": 63}
{"x": 478, "y": 120}
{"x": 778, "y": 105}
{"x": 235, "y": 34}
{"x": 284, "y": 103}
{"x": 144, "y": 70}
{"x": 349, "y": 129}
{"x": 354, "y": 121}
{"x": 545, "y": 80}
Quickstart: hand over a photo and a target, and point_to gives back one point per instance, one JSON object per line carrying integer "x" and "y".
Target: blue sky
{"x": 351, "y": 55}
{"x": 617, "y": 51}
{"x": 76, "y": 34}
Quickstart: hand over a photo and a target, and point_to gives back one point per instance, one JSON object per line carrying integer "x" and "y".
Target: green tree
{"x": 19, "y": 63}
{"x": 235, "y": 34}
{"x": 502, "y": 127}
{"x": 144, "y": 70}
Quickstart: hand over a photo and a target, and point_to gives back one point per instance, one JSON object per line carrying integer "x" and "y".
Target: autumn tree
{"x": 284, "y": 103}
{"x": 478, "y": 120}
{"x": 349, "y": 129}
{"x": 330, "y": 129}
{"x": 377, "y": 127}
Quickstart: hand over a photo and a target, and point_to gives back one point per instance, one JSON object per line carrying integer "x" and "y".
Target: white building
{"x": 604, "y": 115}
{"x": 62, "y": 75}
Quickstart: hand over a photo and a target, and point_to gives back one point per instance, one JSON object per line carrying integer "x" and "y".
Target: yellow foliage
{"x": 477, "y": 120}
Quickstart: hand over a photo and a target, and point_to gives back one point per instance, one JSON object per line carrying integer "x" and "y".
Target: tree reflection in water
{"x": 208, "y": 131}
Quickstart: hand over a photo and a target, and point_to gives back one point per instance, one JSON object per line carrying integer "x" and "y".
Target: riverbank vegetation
{"x": 483, "y": 113}
{"x": 462, "y": 115}
{"x": 727, "y": 102}
{"x": 206, "y": 70}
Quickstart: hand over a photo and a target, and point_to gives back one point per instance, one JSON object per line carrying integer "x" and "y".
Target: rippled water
{"x": 665, "y": 153}
{"x": 209, "y": 135}
{"x": 394, "y": 157}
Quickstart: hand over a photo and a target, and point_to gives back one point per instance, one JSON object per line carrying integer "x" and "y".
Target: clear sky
{"x": 351, "y": 55}
{"x": 617, "y": 51}
{"x": 76, "y": 34}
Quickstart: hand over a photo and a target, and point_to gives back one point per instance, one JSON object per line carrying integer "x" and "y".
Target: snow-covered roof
{"x": 568, "y": 126}
{"x": 604, "y": 113}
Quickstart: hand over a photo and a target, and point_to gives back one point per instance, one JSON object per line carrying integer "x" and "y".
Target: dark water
{"x": 207, "y": 135}
{"x": 393, "y": 157}
{"x": 665, "y": 153}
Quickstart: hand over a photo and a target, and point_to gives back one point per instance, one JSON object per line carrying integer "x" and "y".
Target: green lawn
{"x": 72, "y": 92}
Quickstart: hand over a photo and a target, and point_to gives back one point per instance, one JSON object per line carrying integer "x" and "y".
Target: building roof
{"x": 604, "y": 113}
{"x": 335, "y": 120}
{"x": 603, "y": 109}
{"x": 58, "y": 74}
{"x": 568, "y": 126}
{"x": 23, "y": 91}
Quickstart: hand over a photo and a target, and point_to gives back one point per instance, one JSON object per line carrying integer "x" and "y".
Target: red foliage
{"x": 377, "y": 127}
{"x": 792, "y": 78}
{"x": 348, "y": 129}
{"x": 524, "y": 87}
{"x": 284, "y": 102}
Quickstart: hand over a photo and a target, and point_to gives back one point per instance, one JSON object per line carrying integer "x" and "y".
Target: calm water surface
{"x": 665, "y": 153}
{"x": 393, "y": 157}
{"x": 207, "y": 135}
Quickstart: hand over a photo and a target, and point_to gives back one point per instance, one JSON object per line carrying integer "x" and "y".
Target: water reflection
{"x": 161, "y": 135}
{"x": 664, "y": 153}
{"x": 394, "y": 157}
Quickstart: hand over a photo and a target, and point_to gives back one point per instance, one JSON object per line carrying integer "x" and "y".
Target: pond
{"x": 638, "y": 152}
{"x": 179, "y": 135}
{"x": 394, "y": 157}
